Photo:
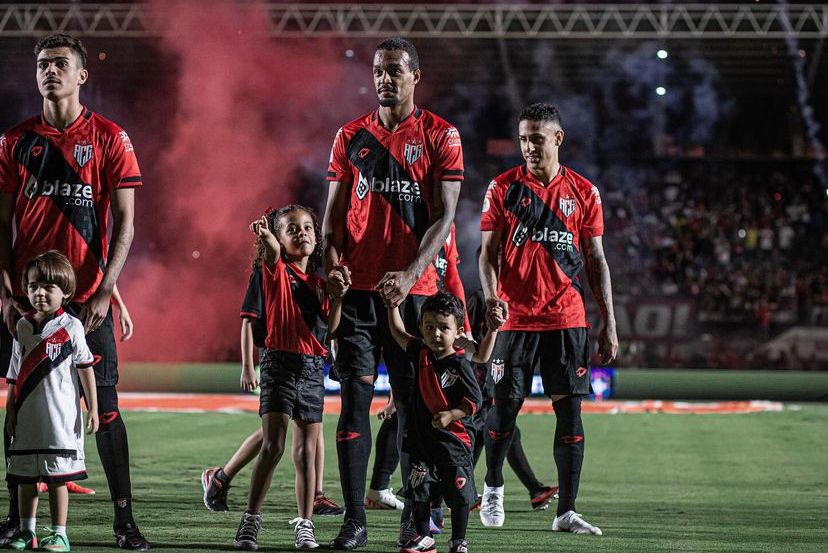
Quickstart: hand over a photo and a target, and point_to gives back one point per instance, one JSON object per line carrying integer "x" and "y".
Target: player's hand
{"x": 249, "y": 379}
{"x": 126, "y": 324}
{"x": 11, "y": 421}
{"x": 344, "y": 271}
{"x": 442, "y": 419}
{"x": 337, "y": 284}
{"x": 607, "y": 344}
{"x": 394, "y": 287}
{"x": 92, "y": 422}
{"x": 497, "y": 312}
{"x": 12, "y": 310}
{"x": 94, "y": 311}
{"x": 387, "y": 412}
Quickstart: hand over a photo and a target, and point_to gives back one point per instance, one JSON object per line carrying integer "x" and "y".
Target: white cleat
{"x": 571, "y": 521}
{"x": 491, "y": 507}
{"x": 383, "y": 499}
{"x": 303, "y": 530}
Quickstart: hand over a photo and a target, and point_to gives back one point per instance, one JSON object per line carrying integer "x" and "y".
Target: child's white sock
{"x": 28, "y": 523}
{"x": 60, "y": 530}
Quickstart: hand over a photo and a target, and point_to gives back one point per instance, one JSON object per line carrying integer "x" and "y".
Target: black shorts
{"x": 561, "y": 355}
{"x": 101, "y": 342}
{"x": 293, "y": 384}
{"x": 429, "y": 483}
{"x": 363, "y": 336}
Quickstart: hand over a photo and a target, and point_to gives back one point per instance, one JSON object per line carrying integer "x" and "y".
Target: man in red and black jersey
{"x": 537, "y": 220}
{"x": 60, "y": 174}
{"x": 395, "y": 177}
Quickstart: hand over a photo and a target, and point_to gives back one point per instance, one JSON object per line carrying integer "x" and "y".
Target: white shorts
{"x": 52, "y": 468}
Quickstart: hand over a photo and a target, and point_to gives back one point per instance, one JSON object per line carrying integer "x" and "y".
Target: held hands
{"x": 497, "y": 312}
{"x": 394, "y": 287}
{"x": 249, "y": 380}
{"x": 339, "y": 280}
{"x": 442, "y": 419}
{"x": 92, "y": 422}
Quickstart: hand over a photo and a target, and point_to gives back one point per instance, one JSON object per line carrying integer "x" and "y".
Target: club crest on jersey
{"x": 83, "y": 153}
{"x": 413, "y": 150}
{"x": 448, "y": 378}
{"x": 497, "y": 370}
{"x": 53, "y": 350}
{"x": 567, "y": 206}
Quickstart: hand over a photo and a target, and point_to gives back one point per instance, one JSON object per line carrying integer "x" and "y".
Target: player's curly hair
{"x": 274, "y": 223}
{"x": 444, "y": 303}
{"x": 51, "y": 267}
{"x": 541, "y": 112}
{"x": 63, "y": 41}
{"x": 397, "y": 43}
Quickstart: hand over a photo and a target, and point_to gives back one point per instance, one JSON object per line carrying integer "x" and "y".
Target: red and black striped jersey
{"x": 391, "y": 178}
{"x": 543, "y": 228}
{"x": 62, "y": 183}
{"x": 296, "y": 309}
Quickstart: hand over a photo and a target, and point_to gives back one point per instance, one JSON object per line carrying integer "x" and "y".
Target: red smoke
{"x": 251, "y": 111}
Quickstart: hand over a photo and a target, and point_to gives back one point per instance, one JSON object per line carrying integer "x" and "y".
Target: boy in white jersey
{"x": 50, "y": 362}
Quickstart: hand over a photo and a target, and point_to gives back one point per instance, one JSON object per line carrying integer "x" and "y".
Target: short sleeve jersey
{"x": 253, "y": 307}
{"x": 296, "y": 308}
{"x": 62, "y": 182}
{"x": 543, "y": 229}
{"x": 47, "y": 391}
{"x": 443, "y": 384}
{"x": 391, "y": 178}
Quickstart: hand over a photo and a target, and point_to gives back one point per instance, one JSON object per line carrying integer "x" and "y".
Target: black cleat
{"x": 541, "y": 499}
{"x": 323, "y": 506}
{"x": 215, "y": 491}
{"x": 129, "y": 537}
{"x": 8, "y": 529}
{"x": 247, "y": 535}
{"x": 352, "y": 535}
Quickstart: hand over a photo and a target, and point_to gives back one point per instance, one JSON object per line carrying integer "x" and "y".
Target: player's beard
{"x": 389, "y": 102}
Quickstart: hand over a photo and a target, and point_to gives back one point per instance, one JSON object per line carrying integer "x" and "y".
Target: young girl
{"x": 216, "y": 480}
{"x": 292, "y": 386}
{"x": 50, "y": 359}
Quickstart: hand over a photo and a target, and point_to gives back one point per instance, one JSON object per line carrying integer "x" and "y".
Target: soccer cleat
{"x": 476, "y": 505}
{"x": 420, "y": 544}
{"x": 458, "y": 546}
{"x": 571, "y": 521}
{"x": 247, "y": 535}
{"x": 352, "y": 534}
{"x": 408, "y": 531}
{"x": 324, "y": 506}
{"x": 130, "y": 537}
{"x": 54, "y": 542}
{"x": 8, "y": 529}
{"x": 541, "y": 499}
{"x": 491, "y": 508}
{"x": 383, "y": 499}
{"x": 23, "y": 540}
{"x": 303, "y": 531}
{"x": 215, "y": 491}
{"x": 71, "y": 487}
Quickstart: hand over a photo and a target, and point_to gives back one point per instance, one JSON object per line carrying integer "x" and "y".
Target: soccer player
{"x": 395, "y": 176}
{"x": 60, "y": 172}
{"x": 439, "y": 430}
{"x": 537, "y": 220}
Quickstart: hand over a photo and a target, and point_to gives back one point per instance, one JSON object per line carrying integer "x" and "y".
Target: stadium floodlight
{"x": 662, "y": 54}
{"x": 661, "y": 91}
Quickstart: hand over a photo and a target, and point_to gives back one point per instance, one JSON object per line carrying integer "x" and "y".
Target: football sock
{"x": 400, "y": 400}
{"x": 353, "y": 445}
{"x": 59, "y": 530}
{"x": 14, "y": 505}
{"x": 222, "y": 476}
{"x": 459, "y": 522}
{"x": 113, "y": 446}
{"x": 386, "y": 455}
{"x": 29, "y": 524}
{"x": 421, "y": 512}
{"x": 520, "y": 464}
{"x": 123, "y": 512}
{"x": 498, "y": 436}
{"x": 568, "y": 450}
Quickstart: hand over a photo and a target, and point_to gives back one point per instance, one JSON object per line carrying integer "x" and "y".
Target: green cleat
{"x": 24, "y": 540}
{"x": 54, "y": 542}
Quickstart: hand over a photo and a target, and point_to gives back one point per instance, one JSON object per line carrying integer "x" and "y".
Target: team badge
{"x": 53, "y": 350}
{"x": 83, "y": 152}
{"x": 567, "y": 206}
{"x": 448, "y": 378}
{"x": 413, "y": 150}
{"x": 362, "y": 187}
{"x": 497, "y": 370}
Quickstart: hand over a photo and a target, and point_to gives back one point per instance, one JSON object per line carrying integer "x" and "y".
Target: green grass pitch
{"x": 734, "y": 483}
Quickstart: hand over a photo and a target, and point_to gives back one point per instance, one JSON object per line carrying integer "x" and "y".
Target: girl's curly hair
{"x": 274, "y": 223}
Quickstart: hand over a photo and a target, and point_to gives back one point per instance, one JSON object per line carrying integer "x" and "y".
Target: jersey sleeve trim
{"x": 132, "y": 179}
{"x": 95, "y": 360}
{"x": 249, "y": 315}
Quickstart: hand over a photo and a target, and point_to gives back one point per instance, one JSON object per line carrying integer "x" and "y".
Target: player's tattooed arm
{"x": 394, "y": 286}
{"x": 599, "y": 281}
{"x": 497, "y": 310}
{"x": 333, "y": 224}
{"x": 272, "y": 248}
{"x": 395, "y": 323}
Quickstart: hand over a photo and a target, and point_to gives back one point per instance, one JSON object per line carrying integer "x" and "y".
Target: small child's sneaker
{"x": 303, "y": 530}
{"x": 23, "y": 540}
{"x": 420, "y": 544}
{"x": 458, "y": 546}
{"x": 571, "y": 521}
{"x": 54, "y": 542}
{"x": 383, "y": 499}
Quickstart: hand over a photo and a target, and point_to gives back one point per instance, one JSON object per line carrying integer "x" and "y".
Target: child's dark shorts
{"x": 293, "y": 384}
